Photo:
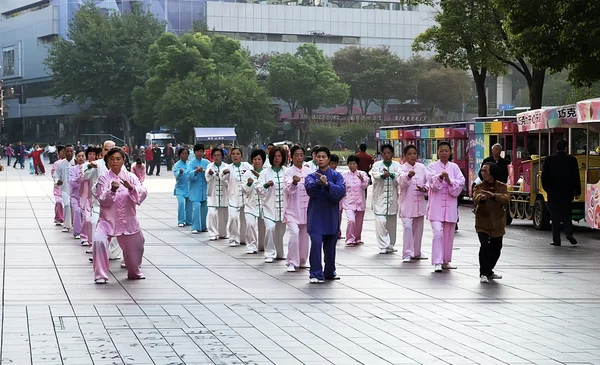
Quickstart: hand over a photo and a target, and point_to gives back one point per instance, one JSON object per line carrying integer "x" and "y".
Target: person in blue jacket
{"x": 197, "y": 189}
{"x": 325, "y": 188}
{"x": 184, "y": 205}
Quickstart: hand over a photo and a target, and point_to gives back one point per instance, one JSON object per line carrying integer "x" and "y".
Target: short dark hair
{"x": 388, "y": 146}
{"x": 323, "y": 149}
{"x": 272, "y": 155}
{"x": 89, "y": 150}
{"x": 296, "y": 148}
{"x": 270, "y": 145}
{"x": 112, "y": 151}
{"x": 138, "y": 160}
{"x": 353, "y": 158}
{"x": 181, "y": 151}
{"x": 334, "y": 158}
{"x": 199, "y": 147}
{"x": 362, "y": 147}
{"x": 315, "y": 149}
{"x": 444, "y": 143}
{"x": 236, "y": 149}
{"x": 216, "y": 149}
{"x": 59, "y": 148}
{"x": 494, "y": 170}
{"x": 562, "y": 145}
{"x": 69, "y": 145}
{"x": 260, "y": 153}
{"x": 408, "y": 147}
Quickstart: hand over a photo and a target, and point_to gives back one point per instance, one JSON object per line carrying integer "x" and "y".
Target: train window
{"x": 521, "y": 153}
{"x": 460, "y": 150}
{"x": 532, "y": 145}
{"x": 430, "y": 150}
{"x": 508, "y": 147}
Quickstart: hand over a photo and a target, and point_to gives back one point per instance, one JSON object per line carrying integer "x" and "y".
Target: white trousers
{"x": 274, "y": 239}
{"x": 255, "y": 233}
{"x": 236, "y": 227}
{"x": 385, "y": 229}
{"x": 217, "y": 222}
{"x": 412, "y": 236}
{"x": 66, "y": 198}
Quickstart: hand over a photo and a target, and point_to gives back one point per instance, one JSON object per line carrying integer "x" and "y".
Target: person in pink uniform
{"x": 75, "y": 179}
{"x": 59, "y": 215}
{"x": 86, "y": 200}
{"x": 445, "y": 182}
{"x": 355, "y": 202}
{"x": 412, "y": 180}
{"x": 296, "y": 204}
{"x": 139, "y": 169}
{"x": 118, "y": 192}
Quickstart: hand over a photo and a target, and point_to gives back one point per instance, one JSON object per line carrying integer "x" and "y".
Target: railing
{"x": 100, "y": 138}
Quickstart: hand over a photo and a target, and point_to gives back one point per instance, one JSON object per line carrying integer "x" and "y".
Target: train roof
{"x": 454, "y": 124}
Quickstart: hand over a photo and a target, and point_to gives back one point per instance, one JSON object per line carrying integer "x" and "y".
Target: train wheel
{"x": 512, "y": 208}
{"x": 528, "y": 211}
{"x": 520, "y": 208}
{"x": 541, "y": 216}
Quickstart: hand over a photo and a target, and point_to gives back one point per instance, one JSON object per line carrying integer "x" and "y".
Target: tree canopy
{"x": 200, "y": 80}
{"x": 103, "y": 59}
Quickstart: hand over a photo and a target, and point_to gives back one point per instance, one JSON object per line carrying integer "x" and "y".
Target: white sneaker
{"x": 181, "y": 225}
{"x": 383, "y": 251}
{"x": 406, "y": 259}
{"x": 251, "y": 252}
{"x": 85, "y": 243}
{"x": 316, "y": 281}
{"x": 213, "y": 238}
{"x": 438, "y": 268}
{"x": 57, "y": 223}
{"x": 448, "y": 266}
{"x": 483, "y": 279}
{"x": 77, "y": 237}
{"x": 495, "y": 277}
{"x": 291, "y": 268}
{"x": 269, "y": 260}
{"x": 123, "y": 266}
{"x": 65, "y": 229}
{"x": 233, "y": 244}
{"x": 195, "y": 231}
{"x": 100, "y": 281}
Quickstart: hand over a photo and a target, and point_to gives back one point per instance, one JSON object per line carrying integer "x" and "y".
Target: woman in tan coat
{"x": 490, "y": 197}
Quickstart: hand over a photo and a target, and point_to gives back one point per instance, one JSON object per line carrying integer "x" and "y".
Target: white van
{"x": 162, "y": 139}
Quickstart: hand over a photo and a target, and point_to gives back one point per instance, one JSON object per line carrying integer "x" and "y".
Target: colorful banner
{"x": 588, "y": 111}
{"x": 541, "y": 119}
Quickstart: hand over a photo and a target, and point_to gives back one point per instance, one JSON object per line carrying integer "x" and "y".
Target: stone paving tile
{"x": 207, "y": 303}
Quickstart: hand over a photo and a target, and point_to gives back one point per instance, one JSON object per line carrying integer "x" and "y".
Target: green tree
{"x": 444, "y": 88}
{"x": 103, "y": 60}
{"x": 305, "y": 80}
{"x": 198, "y": 80}
{"x": 324, "y": 133}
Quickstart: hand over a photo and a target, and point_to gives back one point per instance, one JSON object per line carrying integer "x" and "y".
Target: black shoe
{"x": 157, "y": 175}
{"x": 555, "y": 243}
{"x": 333, "y": 278}
{"x": 456, "y": 227}
{"x": 572, "y": 239}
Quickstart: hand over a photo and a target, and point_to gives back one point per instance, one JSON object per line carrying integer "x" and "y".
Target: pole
{"x": 570, "y": 139}
{"x": 166, "y": 15}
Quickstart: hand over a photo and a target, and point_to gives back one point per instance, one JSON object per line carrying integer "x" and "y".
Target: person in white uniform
{"x": 61, "y": 178}
{"x": 255, "y": 224}
{"x": 217, "y": 196}
{"x": 233, "y": 178}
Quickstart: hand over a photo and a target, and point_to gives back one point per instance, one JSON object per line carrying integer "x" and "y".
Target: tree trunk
{"x": 536, "y": 88}
{"x": 350, "y": 106}
{"x": 479, "y": 78}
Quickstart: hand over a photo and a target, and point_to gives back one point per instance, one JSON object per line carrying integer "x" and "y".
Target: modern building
{"x": 263, "y": 26}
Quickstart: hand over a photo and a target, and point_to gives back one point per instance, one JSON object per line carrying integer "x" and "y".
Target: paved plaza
{"x": 207, "y": 303}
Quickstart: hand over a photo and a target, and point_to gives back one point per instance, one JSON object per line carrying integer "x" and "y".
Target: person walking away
{"x": 445, "y": 182}
{"x": 59, "y": 216}
{"x": 385, "y": 199}
{"x": 75, "y": 179}
{"x": 156, "y": 160}
{"x": 9, "y": 154}
{"x": 119, "y": 192}
{"x": 490, "y": 197}
{"x": 169, "y": 156}
{"x": 271, "y": 193}
{"x": 366, "y": 161}
{"x": 255, "y": 224}
{"x": 562, "y": 183}
{"x": 354, "y": 203}
{"x": 234, "y": 181}
{"x": 139, "y": 169}
{"x": 149, "y": 161}
{"x": 52, "y": 155}
{"x": 196, "y": 172}
{"x": 181, "y": 191}
{"x": 501, "y": 162}
{"x": 61, "y": 178}
{"x": 296, "y": 205}
{"x": 413, "y": 188}
{"x": 326, "y": 189}
{"x": 217, "y": 196}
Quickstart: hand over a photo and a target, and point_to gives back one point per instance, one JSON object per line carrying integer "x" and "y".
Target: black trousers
{"x": 560, "y": 211}
{"x": 489, "y": 253}
{"x": 157, "y": 165}
{"x": 169, "y": 165}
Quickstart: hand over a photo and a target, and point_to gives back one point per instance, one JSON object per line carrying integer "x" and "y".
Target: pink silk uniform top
{"x": 443, "y": 202}
{"x": 296, "y": 199}
{"x": 75, "y": 179}
{"x": 355, "y": 191}
{"x": 412, "y": 201}
{"x": 140, "y": 172}
{"x": 118, "y": 209}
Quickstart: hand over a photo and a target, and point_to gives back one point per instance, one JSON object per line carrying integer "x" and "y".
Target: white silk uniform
{"x": 385, "y": 203}
{"x": 234, "y": 181}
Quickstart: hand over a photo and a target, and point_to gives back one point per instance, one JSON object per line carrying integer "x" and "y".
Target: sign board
{"x": 503, "y": 107}
{"x": 588, "y": 111}
{"x": 540, "y": 119}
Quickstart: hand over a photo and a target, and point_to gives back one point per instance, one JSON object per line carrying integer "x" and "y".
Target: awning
{"x": 542, "y": 119}
{"x": 215, "y": 134}
{"x": 588, "y": 111}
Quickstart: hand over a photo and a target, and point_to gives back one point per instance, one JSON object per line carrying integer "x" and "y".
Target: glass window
{"x": 460, "y": 149}
{"x": 508, "y": 148}
{"x": 289, "y": 38}
{"x": 521, "y": 153}
{"x": 349, "y": 40}
{"x": 532, "y": 145}
{"x": 8, "y": 61}
{"x": 259, "y": 37}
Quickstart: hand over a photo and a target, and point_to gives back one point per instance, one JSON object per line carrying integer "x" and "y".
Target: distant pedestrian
{"x": 169, "y": 156}
{"x": 139, "y": 169}
{"x": 9, "y": 154}
{"x": 561, "y": 181}
{"x": 499, "y": 161}
{"x": 156, "y": 160}
{"x": 366, "y": 161}
{"x": 490, "y": 197}
{"x": 149, "y": 160}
